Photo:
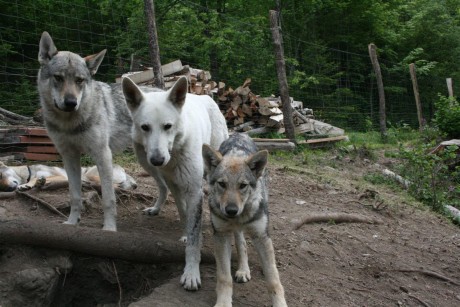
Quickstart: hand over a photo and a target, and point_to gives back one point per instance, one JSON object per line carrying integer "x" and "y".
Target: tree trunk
{"x": 413, "y": 77}
{"x": 282, "y": 79}
{"x": 129, "y": 246}
{"x": 154, "y": 49}
{"x": 378, "y": 76}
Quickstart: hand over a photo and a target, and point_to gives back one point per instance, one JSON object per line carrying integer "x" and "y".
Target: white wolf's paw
{"x": 279, "y": 302}
{"x": 24, "y": 187}
{"x": 183, "y": 239}
{"x": 110, "y": 227}
{"x": 191, "y": 280}
{"x": 223, "y": 305}
{"x": 151, "y": 211}
{"x": 72, "y": 220}
{"x": 242, "y": 276}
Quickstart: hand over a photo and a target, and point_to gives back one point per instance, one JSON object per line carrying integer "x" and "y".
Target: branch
{"x": 41, "y": 202}
{"x": 336, "y": 218}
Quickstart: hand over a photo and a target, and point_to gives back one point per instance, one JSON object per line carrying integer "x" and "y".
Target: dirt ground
{"x": 410, "y": 258}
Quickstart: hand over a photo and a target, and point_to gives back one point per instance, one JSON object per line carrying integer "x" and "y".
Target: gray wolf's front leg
{"x": 243, "y": 274}
{"x": 72, "y": 167}
{"x": 191, "y": 279}
{"x": 264, "y": 247}
{"x": 222, "y": 253}
{"x": 104, "y": 167}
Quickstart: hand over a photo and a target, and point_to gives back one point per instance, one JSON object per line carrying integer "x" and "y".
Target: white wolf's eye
{"x": 58, "y": 78}
{"x": 145, "y": 127}
{"x": 167, "y": 126}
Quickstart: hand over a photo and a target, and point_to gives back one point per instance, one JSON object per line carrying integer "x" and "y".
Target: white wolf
{"x": 169, "y": 129}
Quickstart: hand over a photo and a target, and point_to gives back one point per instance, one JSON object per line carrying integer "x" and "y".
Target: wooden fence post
{"x": 413, "y": 77}
{"x": 282, "y": 79}
{"x": 154, "y": 48}
{"x": 378, "y": 75}
{"x": 450, "y": 87}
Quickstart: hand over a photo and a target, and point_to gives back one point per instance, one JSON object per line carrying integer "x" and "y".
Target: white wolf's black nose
{"x": 231, "y": 210}
{"x": 157, "y": 161}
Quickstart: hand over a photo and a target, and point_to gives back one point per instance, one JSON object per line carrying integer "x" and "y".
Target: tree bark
{"x": 154, "y": 49}
{"x": 282, "y": 79}
{"x": 378, "y": 76}
{"x": 450, "y": 87}
{"x": 129, "y": 246}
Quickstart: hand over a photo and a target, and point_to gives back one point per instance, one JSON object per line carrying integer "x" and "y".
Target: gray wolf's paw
{"x": 191, "y": 280}
{"x": 151, "y": 211}
{"x": 242, "y": 276}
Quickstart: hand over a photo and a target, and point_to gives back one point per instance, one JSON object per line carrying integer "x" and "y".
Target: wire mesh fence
{"x": 338, "y": 85}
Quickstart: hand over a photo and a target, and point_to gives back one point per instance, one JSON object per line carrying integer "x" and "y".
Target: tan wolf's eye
{"x": 58, "y": 78}
{"x": 222, "y": 184}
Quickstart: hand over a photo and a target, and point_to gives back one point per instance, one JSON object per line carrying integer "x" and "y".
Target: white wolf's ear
{"x": 93, "y": 61}
{"x": 47, "y": 49}
{"x": 211, "y": 158}
{"x": 257, "y": 162}
{"x": 133, "y": 94}
{"x": 178, "y": 92}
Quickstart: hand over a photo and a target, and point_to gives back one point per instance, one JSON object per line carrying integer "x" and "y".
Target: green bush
{"x": 447, "y": 116}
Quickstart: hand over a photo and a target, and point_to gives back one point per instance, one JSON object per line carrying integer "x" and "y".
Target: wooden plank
{"x": 270, "y": 146}
{"x": 270, "y": 140}
{"x": 35, "y": 139}
{"x": 324, "y": 140}
{"x": 37, "y": 156}
{"x": 172, "y": 68}
{"x": 41, "y": 149}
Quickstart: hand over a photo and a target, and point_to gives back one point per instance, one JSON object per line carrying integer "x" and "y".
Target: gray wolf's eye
{"x": 79, "y": 81}
{"x": 58, "y": 78}
{"x": 167, "y": 126}
{"x": 145, "y": 127}
{"x": 243, "y": 186}
{"x": 222, "y": 184}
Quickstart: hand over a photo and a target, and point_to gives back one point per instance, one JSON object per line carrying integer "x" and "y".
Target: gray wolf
{"x": 169, "y": 129}
{"x": 82, "y": 115}
{"x": 238, "y": 201}
{"x": 24, "y": 177}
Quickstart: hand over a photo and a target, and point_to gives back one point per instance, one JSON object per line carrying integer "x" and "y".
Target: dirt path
{"x": 411, "y": 258}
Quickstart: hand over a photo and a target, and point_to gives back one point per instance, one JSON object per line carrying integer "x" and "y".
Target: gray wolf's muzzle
{"x": 70, "y": 104}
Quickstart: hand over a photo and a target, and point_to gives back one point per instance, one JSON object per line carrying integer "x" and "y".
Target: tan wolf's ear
{"x": 257, "y": 162}
{"x": 178, "y": 92}
{"x": 133, "y": 94}
{"x": 211, "y": 158}
{"x": 47, "y": 49}
{"x": 93, "y": 61}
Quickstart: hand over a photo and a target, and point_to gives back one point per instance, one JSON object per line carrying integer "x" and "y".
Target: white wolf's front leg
{"x": 72, "y": 167}
{"x": 191, "y": 279}
{"x": 222, "y": 253}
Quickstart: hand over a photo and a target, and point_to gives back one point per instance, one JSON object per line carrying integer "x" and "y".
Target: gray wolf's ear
{"x": 133, "y": 94}
{"x": 178, "y": 92}
{"x": 211, "y": 158}
{"x": 93, "y": 61}
{"x": 257, "y": 162}
{"x": 47, "y": 49}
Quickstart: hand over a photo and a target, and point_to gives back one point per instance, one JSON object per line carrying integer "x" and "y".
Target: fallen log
{"x": 129, "y": 246}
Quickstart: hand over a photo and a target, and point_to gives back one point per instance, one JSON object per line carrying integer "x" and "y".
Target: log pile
{"x": 244, "y": 110}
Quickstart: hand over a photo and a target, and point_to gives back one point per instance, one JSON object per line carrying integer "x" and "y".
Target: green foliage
{"x": 432, "y": 179}
{"x": 447, "y": 116}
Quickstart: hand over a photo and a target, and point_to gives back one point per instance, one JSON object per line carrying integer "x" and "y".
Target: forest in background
{"x": 325, "y": 46}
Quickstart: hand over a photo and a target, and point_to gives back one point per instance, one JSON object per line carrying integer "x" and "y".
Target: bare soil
{"x": 410, "y": 258}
